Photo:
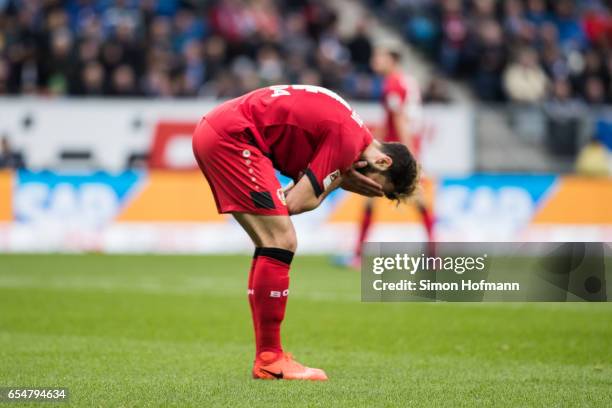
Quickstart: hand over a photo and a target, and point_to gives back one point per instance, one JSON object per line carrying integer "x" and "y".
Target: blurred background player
{"x": 401, "y": 100}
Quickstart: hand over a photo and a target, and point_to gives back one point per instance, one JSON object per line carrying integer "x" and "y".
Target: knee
{"x": 283, "y": 239}
{"x": 286, "y": 240}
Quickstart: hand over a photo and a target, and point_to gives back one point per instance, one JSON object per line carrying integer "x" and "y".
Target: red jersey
{"x": 303, "y": 129}
{"x": 399, "y": 94}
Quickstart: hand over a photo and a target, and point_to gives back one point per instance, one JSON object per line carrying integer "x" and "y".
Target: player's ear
{"x": 383, "y": 162}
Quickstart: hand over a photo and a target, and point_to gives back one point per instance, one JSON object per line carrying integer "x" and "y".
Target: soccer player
{"x": 401, "y": 100}
{"x": 313, "y": 136}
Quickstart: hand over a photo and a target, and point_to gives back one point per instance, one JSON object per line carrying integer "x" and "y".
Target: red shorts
{"x": 241, "y": 177}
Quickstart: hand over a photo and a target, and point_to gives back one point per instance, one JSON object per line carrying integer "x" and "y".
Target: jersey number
{"x": 283, "y": 90}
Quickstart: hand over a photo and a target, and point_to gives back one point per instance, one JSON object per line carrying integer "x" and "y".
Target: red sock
{"x": 270, "y": 291}
{"x": 250, "y": 291}
{"x": 364, "y": 228}
{"x": 428, "y": 223}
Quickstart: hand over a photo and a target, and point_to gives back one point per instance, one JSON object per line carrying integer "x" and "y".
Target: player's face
{"x": 381, "y": 179}
{"x": 378, "y": 163}
{"x": 381, "y": 62}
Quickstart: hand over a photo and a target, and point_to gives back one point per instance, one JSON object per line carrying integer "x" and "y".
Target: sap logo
{"x": 86, "y": 205}
{"x": 277, "y": 293}
{"x": 502, "y": 209}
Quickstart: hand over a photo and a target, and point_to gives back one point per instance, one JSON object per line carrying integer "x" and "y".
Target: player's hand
{"x": 356, "y": 182}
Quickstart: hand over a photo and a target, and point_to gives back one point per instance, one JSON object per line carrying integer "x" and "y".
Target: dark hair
{"x": 403, "y": 173}
{"x": 396, "y": 55}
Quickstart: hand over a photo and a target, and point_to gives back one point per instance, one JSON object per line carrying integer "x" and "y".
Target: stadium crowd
{"x": 171, "y": 48}
{"x": 518, "y": 50}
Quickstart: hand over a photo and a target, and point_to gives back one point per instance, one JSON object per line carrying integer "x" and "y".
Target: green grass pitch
{"x": 123, "y": 331}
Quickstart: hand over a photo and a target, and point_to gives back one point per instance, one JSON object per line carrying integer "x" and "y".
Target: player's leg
{"x": 243, "y": 182}
{"x": 427, "y": 218}
{"x": 250, "y": 290}
{"x": 241, "y": 179}
{"x": 275, "y": 239}
{"x": 273, "y": 236}
{"x": 246, "y": 226}
{"x": 364, "y": 230}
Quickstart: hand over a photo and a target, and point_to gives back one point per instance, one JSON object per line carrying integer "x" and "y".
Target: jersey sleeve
{"x": 395, "y": 96}
{"x": 394, "y": 101}
{"x": 340, "y": 148}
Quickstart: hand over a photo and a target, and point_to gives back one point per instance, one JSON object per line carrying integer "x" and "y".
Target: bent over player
{"x": 313, "y": 136}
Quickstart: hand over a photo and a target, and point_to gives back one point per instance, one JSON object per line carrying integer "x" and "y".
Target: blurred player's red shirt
{"x": 296, "y": 129}
{"x": 401, "y": 94}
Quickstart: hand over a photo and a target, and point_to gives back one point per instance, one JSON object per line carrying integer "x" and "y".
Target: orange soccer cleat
{"x": 282, "y": 366}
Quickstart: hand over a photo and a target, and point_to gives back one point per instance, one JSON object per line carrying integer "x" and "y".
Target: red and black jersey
{"x": 303, "y": 129}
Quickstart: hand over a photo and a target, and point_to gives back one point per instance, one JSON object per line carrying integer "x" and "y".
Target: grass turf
{"x": 175, "y": 331}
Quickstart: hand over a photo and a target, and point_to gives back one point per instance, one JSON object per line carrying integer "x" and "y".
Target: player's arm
{"x": 302, "y": 197}
{"x": 333, "y": 165}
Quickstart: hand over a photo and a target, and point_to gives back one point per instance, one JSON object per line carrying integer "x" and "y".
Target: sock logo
{"x": 250, "y": 291}
{"x": 278, "y": 293}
